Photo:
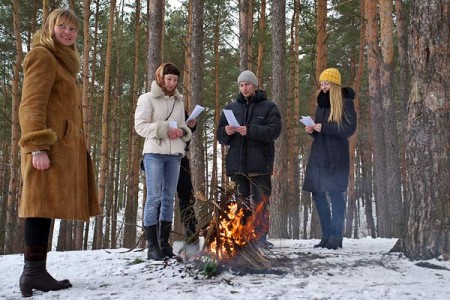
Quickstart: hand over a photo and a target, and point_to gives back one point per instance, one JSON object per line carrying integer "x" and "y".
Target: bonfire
{"x": 231, "y": 237}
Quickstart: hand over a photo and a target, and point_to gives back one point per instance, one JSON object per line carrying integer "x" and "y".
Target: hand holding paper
{"x": 195, "y": 113}
{"x": 231, "y": 118}
{"x": 307, "y": 121}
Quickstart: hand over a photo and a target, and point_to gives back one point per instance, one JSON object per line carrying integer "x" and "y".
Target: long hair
{"x": 60, "y": 14}
{"x": 164, "y": 69}
{"x": 337, "y": 104}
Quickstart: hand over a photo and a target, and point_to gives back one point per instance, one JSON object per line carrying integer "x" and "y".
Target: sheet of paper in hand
{"x": 231, "y": 118}
{"x": 307, "y": 121}
{"x": 195, "y": 113}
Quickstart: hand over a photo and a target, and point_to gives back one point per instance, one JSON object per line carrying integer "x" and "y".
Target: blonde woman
{"x": 58, "y": 177}
{"x": 329, "y": 161}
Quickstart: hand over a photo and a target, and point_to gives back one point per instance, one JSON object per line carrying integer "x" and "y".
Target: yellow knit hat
{"x": 331, "y": 75}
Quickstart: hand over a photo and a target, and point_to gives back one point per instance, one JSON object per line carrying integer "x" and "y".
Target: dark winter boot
{"x": 322, "y": 244}
{"x": 334, "y": 242}
{"x": 35, "y": 275}
{"x": 164, "y": 235}
{"x": 154, "y": 252}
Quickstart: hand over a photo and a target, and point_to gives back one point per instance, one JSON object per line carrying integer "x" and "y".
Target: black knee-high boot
{"x": 164, "y": 235}
{"x": 151, "y": 234}
{"x": 35, "y": 275}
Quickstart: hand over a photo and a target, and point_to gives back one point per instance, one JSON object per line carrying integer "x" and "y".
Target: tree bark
{"x": 197, "y": 149}
{"x": 392, "y": 226}
{"x": 292, "y": 127}
{"x": 261, "y": 42}
{"x": 278, "y": 207}
{"x": 105, "y": 130}
{"x": 379, "y": 159}
{"x": 155, "y": 34}
{"x": 351, "y": 195}
{"x": 245, "y": 34}
{"x": 428, "y": 137}
{"x": 13, "y": 243}
{"x": 129, "y": 239}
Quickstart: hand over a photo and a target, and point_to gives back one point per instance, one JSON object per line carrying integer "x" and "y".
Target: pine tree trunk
{"x": 293, "y": 132}
{"x": 105, "y": 130}
{"x": 155, "y": 37}
{"x": 129, "y": 238}
{"x": 245, "y": 34}
{"x": 197, "y": 148}
{"x": 261, "y": 42}
{"x": 394, "y": 226}
{"x": 278, "y": 207}
{"x": 379, "y": 159}
{"x": 352, "y": 195}
{"x": 12, "y": 242}
{"x": 428, "y": 137}
{"x": 405, "y": 87}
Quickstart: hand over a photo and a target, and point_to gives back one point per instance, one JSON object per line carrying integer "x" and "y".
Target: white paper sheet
{"x": 231, "y": 118}
{"x": 172, "y": 124}
{"x": 307, "y": 121}
{"x": 195, "y": 113}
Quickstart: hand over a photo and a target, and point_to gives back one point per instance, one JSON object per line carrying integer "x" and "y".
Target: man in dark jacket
{"x": 251, "y": 151}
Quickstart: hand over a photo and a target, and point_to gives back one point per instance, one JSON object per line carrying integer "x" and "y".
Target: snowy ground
{"x": 363, "y": 269}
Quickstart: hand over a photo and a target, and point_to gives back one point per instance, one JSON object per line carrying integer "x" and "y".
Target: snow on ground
{"x": 363, "y": 269}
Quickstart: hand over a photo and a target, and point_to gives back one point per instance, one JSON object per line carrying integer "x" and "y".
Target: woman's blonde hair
{"x": 49, "y": 25}
{"x": 337, "y": 104}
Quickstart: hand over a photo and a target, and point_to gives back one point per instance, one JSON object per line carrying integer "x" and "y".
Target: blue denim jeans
{"x": 161, "y": 176}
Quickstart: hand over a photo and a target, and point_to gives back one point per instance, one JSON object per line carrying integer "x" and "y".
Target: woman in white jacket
{"x": 160, "y": 119}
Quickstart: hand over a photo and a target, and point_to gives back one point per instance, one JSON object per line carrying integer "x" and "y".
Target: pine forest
{"x": 394, "y": 54}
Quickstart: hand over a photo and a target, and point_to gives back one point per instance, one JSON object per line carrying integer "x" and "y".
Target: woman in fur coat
{"x": 58, "y": 176}
{"x": 328, "y": 165}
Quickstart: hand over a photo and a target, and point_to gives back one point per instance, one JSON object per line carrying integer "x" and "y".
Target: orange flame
{"x": 231, "y": 234}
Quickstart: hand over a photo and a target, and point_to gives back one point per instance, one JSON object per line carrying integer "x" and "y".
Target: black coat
{"x": 329, "y": 161}
{"x": 255, "y": 152}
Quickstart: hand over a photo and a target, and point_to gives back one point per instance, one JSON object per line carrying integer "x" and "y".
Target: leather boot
{"x": 154, "y": 252}
{"x": 164, "y": 235}
{"x": 322, "y": 244}
{"x": 35, "y": 275}
{"x": 334, "y": 242}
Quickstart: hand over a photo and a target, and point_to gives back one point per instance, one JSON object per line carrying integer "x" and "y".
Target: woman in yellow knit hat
{"x": 329, "y": 161}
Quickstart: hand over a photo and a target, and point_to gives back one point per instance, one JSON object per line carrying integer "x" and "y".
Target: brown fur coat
{"x": 50, "y": 115}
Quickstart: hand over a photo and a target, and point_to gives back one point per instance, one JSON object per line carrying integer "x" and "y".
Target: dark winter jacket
{"x": 253, "y": 153}
{"x": 329, "y": 161}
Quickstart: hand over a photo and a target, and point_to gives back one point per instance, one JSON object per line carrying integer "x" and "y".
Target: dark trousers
{"x": 256, "y": 188}
{"x": 186, "y": 198}
{"x": 37, "y": 231}
{"x": 331, "y": 220}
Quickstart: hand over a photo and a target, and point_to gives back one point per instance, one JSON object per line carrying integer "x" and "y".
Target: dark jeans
{"x": 186, "y": 198}
{"x": 256, "y": 188}
{"x": 331, "y": 220}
